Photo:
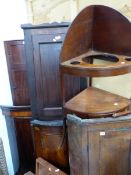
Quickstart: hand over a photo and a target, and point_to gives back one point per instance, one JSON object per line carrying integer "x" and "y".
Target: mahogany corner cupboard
{"x": 43, "y": 45}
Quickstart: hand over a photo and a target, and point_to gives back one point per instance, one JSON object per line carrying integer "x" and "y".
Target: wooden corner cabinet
{"x": 43, "y": 45}
{"x": 93, "y": 47}
{"x": 99, "y": 146}
{"x": 100, "y": 138}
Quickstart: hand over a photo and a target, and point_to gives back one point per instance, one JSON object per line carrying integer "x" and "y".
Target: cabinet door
{"x": 50, "y": 142}
{"x": 46, "y": 51}
{"x": 46, "y": 65}
{"x": 110, "y": 152}
{"x": 25, "y": 143}
{"x": 16, "y": 61}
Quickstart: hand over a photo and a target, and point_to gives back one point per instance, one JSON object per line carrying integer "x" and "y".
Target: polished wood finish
{"x": 44, "y": 167}
{"x": 111, "y": 31}
{"x": 98, "y": 28}
{"x": 17, "y": 111}
{"x": 78, "y": 39}
{"x": 99, "y": 146}
{"x": 21, "y": 118}
{"x": 93, "y": 102}
{"x": 50, "y": 142}
{"x": 77, "y": 66}
{"x": 16, "y": 62}
{"x": 98, "y": 32}
{"x": 43, "y": 44}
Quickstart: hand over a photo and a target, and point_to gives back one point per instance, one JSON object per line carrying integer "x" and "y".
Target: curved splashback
{"x": 99, "y": 28}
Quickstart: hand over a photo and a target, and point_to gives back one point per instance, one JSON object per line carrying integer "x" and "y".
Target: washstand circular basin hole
{"x": 100, "y": 59}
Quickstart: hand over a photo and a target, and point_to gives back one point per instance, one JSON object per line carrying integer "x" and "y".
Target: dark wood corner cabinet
{"x": 43, "y": 45}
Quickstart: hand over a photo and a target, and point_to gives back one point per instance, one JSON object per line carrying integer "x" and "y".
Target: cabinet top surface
{"x": 46, "y": 25}
{"x": 96, "y": 103}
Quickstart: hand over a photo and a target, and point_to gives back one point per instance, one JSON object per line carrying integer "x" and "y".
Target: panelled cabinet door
{"x": 16, "y": 62}
{"x": 46, "y": 65}
{"x": 112, "y": 155}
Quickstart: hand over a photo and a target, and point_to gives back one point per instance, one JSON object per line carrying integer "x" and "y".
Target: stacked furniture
{"x": 98, "y": 44}
{"x": 43, "y": 45}
{"x": 59, "y": 76}
{"x": 19, "y": 115}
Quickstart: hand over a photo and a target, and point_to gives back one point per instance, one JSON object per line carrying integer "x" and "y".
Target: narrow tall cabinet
{"x": 19, "y": 114}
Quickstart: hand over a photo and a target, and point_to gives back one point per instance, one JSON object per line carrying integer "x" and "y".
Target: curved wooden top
{"x": 94, "y": 102}
{"x": 97, "y": 29}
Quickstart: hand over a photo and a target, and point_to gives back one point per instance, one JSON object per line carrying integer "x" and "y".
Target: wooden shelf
{"x": 93, "y": 102}
{"x": 84, "y": 65}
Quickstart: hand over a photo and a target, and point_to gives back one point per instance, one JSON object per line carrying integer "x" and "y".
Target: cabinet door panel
{"x": 112, "y": 152}
{"x": 47, "y": 75}
{"x": 19, "y": 80}
{"x": 46, "y": 63}
{"x": 18, "y": 53}
{"x": 50, "y": 74}
{"x": 114, "y": 156}
{"x": 16, "y": 62}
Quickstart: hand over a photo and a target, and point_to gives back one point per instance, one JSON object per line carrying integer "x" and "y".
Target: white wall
{"x": 12, "y": 15}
